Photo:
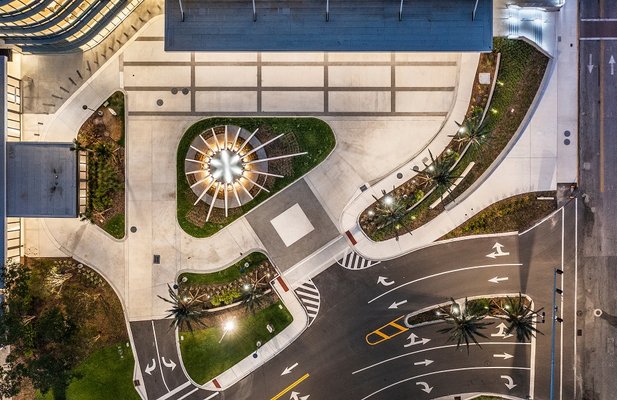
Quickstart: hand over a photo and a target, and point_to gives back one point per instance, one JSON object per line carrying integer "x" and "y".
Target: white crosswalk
{"x": 352, "y": 260}
{"x": 309, "y": 296}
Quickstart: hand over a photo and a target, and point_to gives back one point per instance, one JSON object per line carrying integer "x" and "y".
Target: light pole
{"x": 555, "y": 319}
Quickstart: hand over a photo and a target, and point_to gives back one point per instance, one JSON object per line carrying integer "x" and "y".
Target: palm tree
{"x": 464, "y": 326}
{"x": 439, "y": 173}
{"x": 473, "y": 130}
{"x": 253, "y": 293}
{"x": 390, "y": 210}
{"x": 519, "y": 317}
{"x": 185, "y": 310}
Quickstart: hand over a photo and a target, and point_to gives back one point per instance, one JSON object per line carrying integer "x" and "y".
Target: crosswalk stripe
{"x": 349, "y": 259}
{"x": 308, "y": 294}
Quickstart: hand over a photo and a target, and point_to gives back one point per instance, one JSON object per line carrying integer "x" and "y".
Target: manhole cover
{"x": 185, "y": 91}
{"x": 566, "y": 142}
{"x": 159, "y": 102}
{"x": 133, "y": 229}
{"x": 566, "y": 133}
{"x": 174, "y": 90}
{"x": 399, "y": 175}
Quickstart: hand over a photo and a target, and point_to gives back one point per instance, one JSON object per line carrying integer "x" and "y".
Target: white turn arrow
{"x": 169, "y": 364}
{"x": 396, "y": 304}
{"x": 426, "y": 387}
{"x": 414, "y": 339}
{"x": 288, "y": 369}
{"x": 505, "y": 356}
{"x": 590, "y": 65}
{"x": 425, "y": 362}
{"x": 498, "y": 251}
{"x": 384, "y": 281}
{"x": 611, "y": 62}
{"x": 296, "y": 396}
{"x": 498, "y": 279}
{"x": 502, "y": 331}
{"x": 510, "y": 383}
{"x": 149, "y": 368}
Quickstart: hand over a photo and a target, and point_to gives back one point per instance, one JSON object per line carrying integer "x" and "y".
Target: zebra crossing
{"x": 352, "y": 260}
{"x": 309, "y": 296}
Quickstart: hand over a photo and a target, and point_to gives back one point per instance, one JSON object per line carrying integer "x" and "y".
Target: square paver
{"x": 292, "y": 225}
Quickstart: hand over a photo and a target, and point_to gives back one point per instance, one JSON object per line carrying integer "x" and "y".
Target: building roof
{"x": 300, "y": 25}
{"x": 41, "y": 180}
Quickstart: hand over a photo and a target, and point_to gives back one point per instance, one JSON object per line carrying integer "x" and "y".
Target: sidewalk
{"x": 540, "y": 158}
{"x": 271, "y": 348}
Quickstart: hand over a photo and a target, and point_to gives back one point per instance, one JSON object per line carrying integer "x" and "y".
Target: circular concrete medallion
{"x": 597, "y": 312}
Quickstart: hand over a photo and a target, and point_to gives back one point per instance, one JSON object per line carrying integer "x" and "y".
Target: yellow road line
{"x": 385, "y": 336}
{"x": 601, "y": 77}
{"x": 288, "y": 388}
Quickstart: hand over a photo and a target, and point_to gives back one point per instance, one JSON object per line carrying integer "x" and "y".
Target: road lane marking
{"x": 288, "y": 388}
{"x": 575, "y": 285}
{"x": 444, "y": 273}
{"x": 176, "y": 390}
{"x": 601, "y": 78}
{"x": 430, "y": 349}
{"x": 212, "y": 396}
{"x": 188, "y": 394}
{"x": 561, "y": 328}
{"x": 158, "y": 355}
{"x": 384, "y": 336}
{"x": 440, "y": 372}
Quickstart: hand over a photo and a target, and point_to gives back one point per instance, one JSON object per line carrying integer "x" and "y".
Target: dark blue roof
{"x": 300, "y": 25}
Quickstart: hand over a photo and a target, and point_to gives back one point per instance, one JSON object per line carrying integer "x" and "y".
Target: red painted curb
{"x": 282, "y": 283}
{"x": 216, "y": 383}
{"x": 351, "y": 238}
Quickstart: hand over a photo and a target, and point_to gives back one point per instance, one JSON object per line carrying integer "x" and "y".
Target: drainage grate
{"x": 579, "y": 332}
{"x": 363, "y": 188}
{"x": 157, "y": 259}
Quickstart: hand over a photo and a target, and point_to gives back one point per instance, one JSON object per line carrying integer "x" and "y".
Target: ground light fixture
{"x": 230, "y": 325}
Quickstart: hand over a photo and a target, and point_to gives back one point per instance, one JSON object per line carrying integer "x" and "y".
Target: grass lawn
{"x": 227, "y": 275}
{"x": 105, "y": 376}
{"x": 204, "y": 358}
{"x": 515, "y": 213}
{"x": 115, "y": 226}
{"x": 312, "y": 135}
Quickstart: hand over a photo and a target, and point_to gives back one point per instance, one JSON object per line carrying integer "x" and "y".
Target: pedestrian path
{"x": 309, "y": 296}
{"x": 354, "y": 261}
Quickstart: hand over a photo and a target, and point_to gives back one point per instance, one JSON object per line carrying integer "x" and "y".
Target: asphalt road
{"x": 598, "y": 184}
{"x": 336, "y": 361}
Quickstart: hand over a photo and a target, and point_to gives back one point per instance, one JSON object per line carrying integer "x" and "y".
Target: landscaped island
{"x": 101, "y": 142}
{"x": 227, "y": 166}
{"x": 480, "y": 139}
{"x": 227, "y": 315}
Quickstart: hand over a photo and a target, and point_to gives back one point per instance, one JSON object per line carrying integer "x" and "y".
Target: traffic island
{"x": 516, "y": 213}
{"x": 228, "y": 166}
{"x": 488, "y": 127}
{"x": 240, "y": 310}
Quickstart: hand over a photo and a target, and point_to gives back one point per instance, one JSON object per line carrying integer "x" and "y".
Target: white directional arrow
{"x": 502, "y": 331}
{"x": 296, "y": 396}
{"x": 149, "y": 368}
{"x": 498, "y": 279}
{"x": 384, "y": 281}
{"x": 505, "y": 356}
{"x": 510, "y": 384}
{"x": 498, "y": 251}
{"x": 611, "y": 62}
{"x": 425, "y": 362}
{"x": 426, "y": 387}
{"x": 590, "y": 65}
{"x": 169, "y": 364}
{"x": 414, "y": 339}
{"x": 288, "y": 369}
{"x": 396, "y": 304}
